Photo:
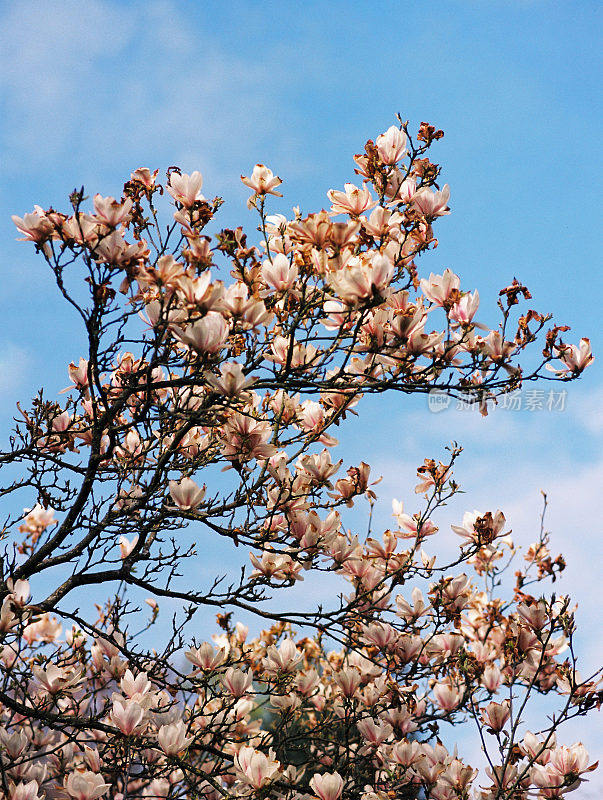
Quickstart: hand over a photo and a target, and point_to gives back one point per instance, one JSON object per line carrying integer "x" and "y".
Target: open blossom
{"x": 480, "y": 528}
{"x": 391, "y": 145}
{"x": 127, "y": 715}
{"x": 262, "y": 181}
{"x": 575, "y": 358}
{"x": 206, "y": 657}
{"x": 328, "y": 786}
{"x": 447, "y": 696}
{"x": 255, "y": 768}
{"x": 26, "y": 791}
{"x": 111, "y": 212}
{"x": 465, "y": 309}
{"x": 432, "y": 204}
{"x": 439, "y": 288}
{"x": 237, "y": 682}
{"x": 232, "y": 380}
{"x": 86, "y": 785}
{"x": 352, "y": 200}
{"x": 207, "y": 335}
{"x": 186, "y": 494}
{"x": 173, "y": 739}
{"x": 55, "y": 679}
{"x": 144, "y": 176}
{"x": 285, "y": 658}
{"x": 495, "y": 716}
{"x": 361, "y": 279}
{"x": 244, "y": 438}
{"x": 186, "y": 189}
{"x": 279, "y": 274}
{"x": 35, "y": 226}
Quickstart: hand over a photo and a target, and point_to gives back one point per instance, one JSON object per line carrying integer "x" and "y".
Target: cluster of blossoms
{"x": 215, "y": 374}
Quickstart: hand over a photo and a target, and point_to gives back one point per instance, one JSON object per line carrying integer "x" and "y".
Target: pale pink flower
{"x": 255, "y": 768}
{"x": 495, "y": 716}
{"x": 127, "y": 715}
{"x": 284, "y": 659}
{"x": 19, "y": 591}
{"x": 35, "y": 226}
{"x": 243, "y": 438}
{"x": 575, "y": 357}
{"x": 490, "y": 528}
{"x": 438, "y": 288}
{"x": 447, "y": 696}
{"x": 186, "y": 493}
{"x": 262, "y": 181}
{"x": 86, "y": 785}
{"x": 207, "y": 335}
{"x": 432, "y": 204}
{"x": 237, "y": 682}
{"x": 55, "y": 679}
{"x": 144, "y": 176}
{"x": 173, "y": 739}
{"x": 206, "y": 657}
{"x": 328, "y": 786}
{"x": 363, "y": 279}
{"x": 25, "y": 791}
{"x": 279, "y": 274}
{"x": 79, "y": 373}
{"x": 391, "y": 145}
{"x": 126, "y": 545}
{"x": 464, "y": 310}
{"x": 131, "y": 685}
{"x": 373, "y": 732}
{"x": 232, "y": 380}
{"x": 111, "y": 212}
{"x": 186, "y": 189}
{"x": 352, "y": 201}
{"x": 14, "y": 742}
{"x": 46, "y": 629}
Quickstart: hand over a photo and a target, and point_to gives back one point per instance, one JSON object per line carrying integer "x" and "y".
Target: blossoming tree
{"x": 211, "y": 375}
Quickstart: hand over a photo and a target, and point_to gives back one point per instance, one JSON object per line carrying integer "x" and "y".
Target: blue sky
{"x": 90, "y": 90}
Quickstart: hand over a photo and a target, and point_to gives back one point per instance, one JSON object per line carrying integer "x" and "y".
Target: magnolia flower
{"x": 126, "y": 545}
{"x": 262, "y": 181}
{"x": 127, "y": 715}
{"x": 111, "y": 212}
{"x": 464, "y": 309}
{"x": 432, "y": 204}
{"x": 207, "y": 335}
{"x": 55, "y": 679}
{"x": 284, "y": 659}
{"x": 254, "y": 767}
{"x": 206, "y": 657}
{"x": 279, "y": 274}
{"x": 391, "y": 145}
{"x": 480, "y": 528}
{"x": 35, "y": 226}
{"x": 144, "y": 176}
{"x": 186, "y": 494}
{"x": 232, "y": 380}
{"x": 237, "y": 682}
{"x": 186, "y": 189}
{"x": 85, "y": 785}
{"x": 447, "y": 696}
{"x": 575, "y": 357}
{"x": 438, "y": 288}
{"x": 25, "y": 791}
{"x": 352, "y": 201}
{"x": 173, "y": 739}
{"x": 495, "y": 716}
{"x": 328, "y": 786}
